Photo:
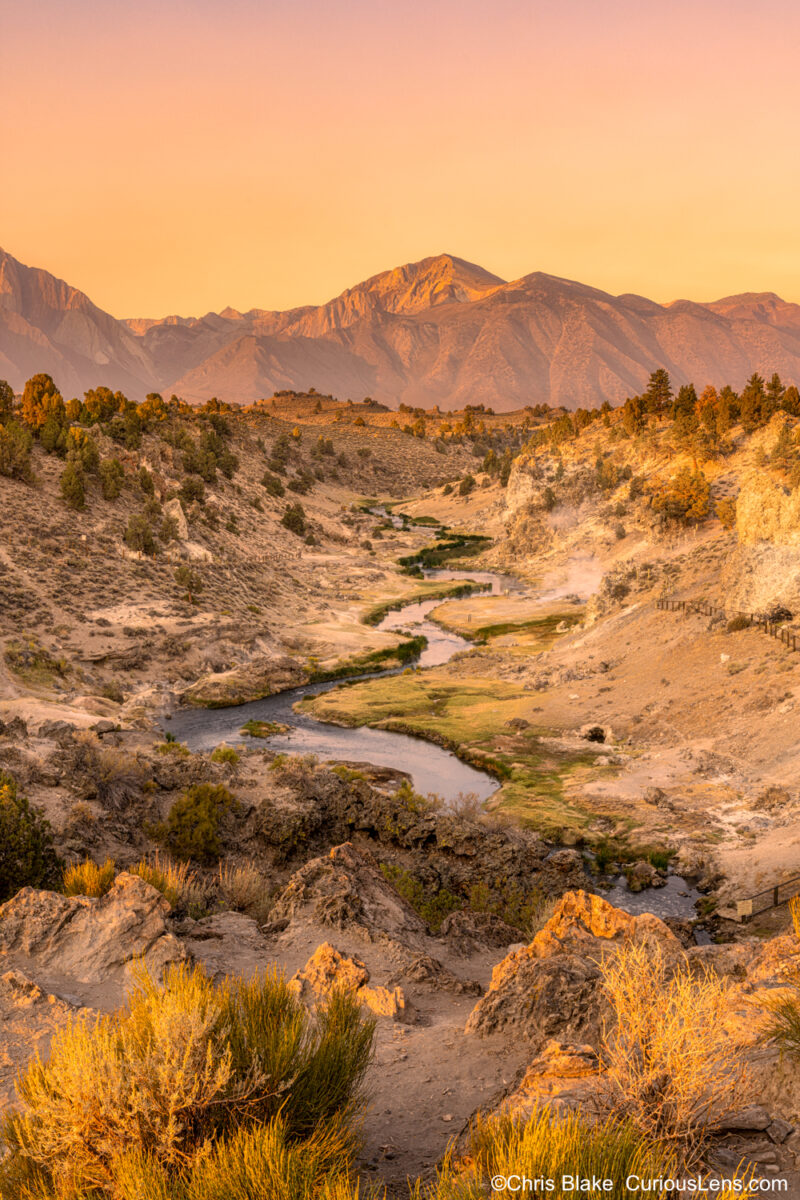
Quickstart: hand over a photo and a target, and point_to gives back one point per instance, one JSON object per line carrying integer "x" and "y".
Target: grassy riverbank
{"x": 471, "y": 717}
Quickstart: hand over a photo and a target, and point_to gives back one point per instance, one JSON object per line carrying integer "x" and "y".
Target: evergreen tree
{"x": 752, "y": 403}
{"x": 6, "y": 401}
{"x": 73, "y": 489}
{"x": 659, "y": 392}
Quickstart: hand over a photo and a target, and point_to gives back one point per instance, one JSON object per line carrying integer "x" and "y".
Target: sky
{"x": 178, "y": 156}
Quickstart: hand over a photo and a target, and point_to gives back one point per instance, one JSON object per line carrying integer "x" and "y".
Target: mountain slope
{"x": 46, "y": 325}
{"x": 440, "y": 331}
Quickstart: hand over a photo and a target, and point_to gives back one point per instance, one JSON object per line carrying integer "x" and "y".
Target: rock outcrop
{"x": 328, "y": 971}
{"x": 346, "y": 890}
{"x": 69, "y": 943}
{"x": 551, "y": 989}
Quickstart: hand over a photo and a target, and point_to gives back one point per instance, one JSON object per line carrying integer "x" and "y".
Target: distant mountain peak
{"x": 441, "y": 331}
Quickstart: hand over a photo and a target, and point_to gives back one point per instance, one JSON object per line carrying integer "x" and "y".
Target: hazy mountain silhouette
{"x": 440, "y": 331}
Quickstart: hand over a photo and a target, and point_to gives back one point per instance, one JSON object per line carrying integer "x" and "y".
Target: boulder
{"x": 468, "y": 932}
{"x": 67, "y": 942}
{"x": 541, "y": 999}
{"x": 345, "y": 889}
{"x": 173, "y": 508}
{"x": 29, "y": 1017}
{"x": 328, "y": 970}
{"x": 644, "y": 875}
{"x": 552, "y": 987}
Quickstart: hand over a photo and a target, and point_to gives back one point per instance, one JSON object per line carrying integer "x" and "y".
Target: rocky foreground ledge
{"x": 466, "y": 1021}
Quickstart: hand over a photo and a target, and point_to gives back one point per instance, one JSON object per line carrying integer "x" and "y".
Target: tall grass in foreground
{"x": 671, "y": 1067}
{"x": 185, "y": 1065}
{"x": 549, "y": 1145}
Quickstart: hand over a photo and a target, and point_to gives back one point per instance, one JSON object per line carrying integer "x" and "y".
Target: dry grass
{"x": 671, "y": 1067}
{"x": 88, "y": 878}
{"x": 548, "y": 1145}
{"x": 794, "y": 912}
{"x": 175, "y": 880}
{"x": 244, "y": 889}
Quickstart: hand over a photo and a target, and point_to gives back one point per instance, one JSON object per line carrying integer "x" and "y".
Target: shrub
{"x": 15, "y": 451}
{"x": 726, "y": 513}
{"x": 115, "y": 777}
{"x": 192, "y": 489}
{"x": 73, "y": 490}
{"x": 272, "y": 484}
{"x": 685, "y": 498}
{"x": 466, "y": 486}
{"x": 736, "y": 624}
{"x": 139, "y": 535}
{"x": 294, "y": 519}
{"x": 224, "y": 754}
{"x": 82, "y": 450}
{"x": 256, "y": 1162}
{"x": 191, "y": 829}
{"x": 27, "y": 857}
{"x": 146, "y": 482}
{"x": 182, "y": 1066}
{"x": 432, "y": 906}
{"x": 185, "y": 577}
{"x": 89, "y": 879}
{"x": 671, "y": 1066}
{"x": 111, "y": 477}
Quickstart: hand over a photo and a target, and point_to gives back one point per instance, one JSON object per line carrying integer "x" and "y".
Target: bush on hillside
{"x": 73, "y": 488}
{"x": 27, "y": 857}
{"x": 684, "y": 498}
{"x": 138, "y": 1098}
{"x": 294, "y": 519}
{"x": 15, "y": 451}
{"x": 139, "y": 535}
{"x": 192, "y": 827}
{"x": 111, "y": 477}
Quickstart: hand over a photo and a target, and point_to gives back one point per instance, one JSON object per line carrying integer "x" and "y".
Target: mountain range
{"x": 440, "y": 331}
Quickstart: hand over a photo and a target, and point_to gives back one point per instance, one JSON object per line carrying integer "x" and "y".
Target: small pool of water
{"x": 676, "y": 899}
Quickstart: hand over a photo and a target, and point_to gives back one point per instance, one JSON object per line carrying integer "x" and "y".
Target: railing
{"x": 775, "y": 629}
{"x": 769, "y": 898}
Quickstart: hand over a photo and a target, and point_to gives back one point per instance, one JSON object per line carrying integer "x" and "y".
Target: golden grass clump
{"x": 88, "y": 878}
{"x": 176, "y": 881}
{"x": 548, "y": 1145}
{"x": 671, "y": 1066}
{"x": 245, "y": 889}
{"x": 794, "y": 912}
{"x": 144, "y": 1093}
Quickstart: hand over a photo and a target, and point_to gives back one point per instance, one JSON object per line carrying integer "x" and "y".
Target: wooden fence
{"x": 781, "y": 893}
{"x": 774, "y": 628}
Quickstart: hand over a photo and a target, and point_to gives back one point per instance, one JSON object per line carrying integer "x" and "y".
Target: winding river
{"x": 432, "y": 768}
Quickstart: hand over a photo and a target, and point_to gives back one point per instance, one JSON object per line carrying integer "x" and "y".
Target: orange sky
{"x": 177, "y": 157}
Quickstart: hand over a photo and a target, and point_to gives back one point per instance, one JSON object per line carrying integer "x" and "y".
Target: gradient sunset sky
{"x": 169, "y": 156}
